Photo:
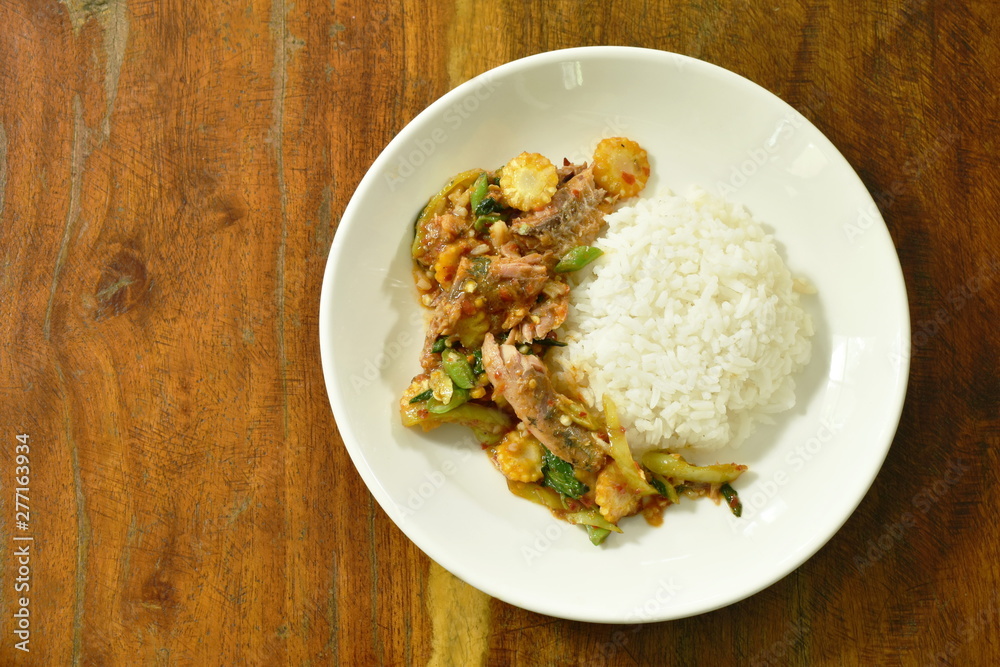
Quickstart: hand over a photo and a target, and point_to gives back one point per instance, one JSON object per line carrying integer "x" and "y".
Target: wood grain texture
{"x": 171, "y": 178}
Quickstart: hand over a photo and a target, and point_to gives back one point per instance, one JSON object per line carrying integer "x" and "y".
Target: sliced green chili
{"x": 458, "y": 397}
{"x": 597, "y": 526}
{"x": 675, "y": 467}
{"x": 479, "y": 190}
{"x": 457, "y": 368}
{"x": 439, "y": 344}
{"x": 591, "y": 517}
{"x": 577, "y": 258}
{"x": 597, "y": 535}
{"x": 484, "y": 222}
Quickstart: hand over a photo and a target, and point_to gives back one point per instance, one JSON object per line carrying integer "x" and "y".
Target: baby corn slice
{"x": 621, "y": 167}
{"x": 528, "y": 181}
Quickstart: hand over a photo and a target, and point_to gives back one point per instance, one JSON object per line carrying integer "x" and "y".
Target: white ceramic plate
{"x": 701, "y": 125}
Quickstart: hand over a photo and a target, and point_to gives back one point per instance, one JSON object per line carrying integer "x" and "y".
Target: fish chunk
{"x": 574, "y": 217}
{"x": 524, "y": 382}
{"x": 489, "y": 294}
{"x": 547, "y": 315}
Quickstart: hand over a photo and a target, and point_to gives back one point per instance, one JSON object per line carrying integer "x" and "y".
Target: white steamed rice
{"x": 689, "y": 321}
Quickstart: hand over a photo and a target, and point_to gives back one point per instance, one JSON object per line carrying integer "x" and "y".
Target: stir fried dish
{"x": 492, "y": 251}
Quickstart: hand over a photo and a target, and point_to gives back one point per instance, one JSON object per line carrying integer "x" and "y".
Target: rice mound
{"x": 690, "y": 322}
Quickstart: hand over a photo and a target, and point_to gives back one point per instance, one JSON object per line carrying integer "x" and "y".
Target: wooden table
{"x": 171, "y": 178}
